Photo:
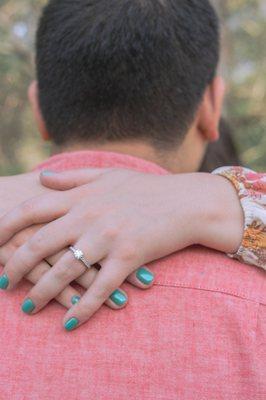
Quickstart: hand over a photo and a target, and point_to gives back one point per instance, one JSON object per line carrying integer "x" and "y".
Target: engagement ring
{"x": 79, "y": 255}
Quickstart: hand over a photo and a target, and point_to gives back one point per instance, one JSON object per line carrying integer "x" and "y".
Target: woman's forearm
{"x": 229, "y": 212}
{"x": 156, "y": 215}
{"x": 130, "y": 219}
{"x": 220, "y": 213}
{"x": 214, "y": 216}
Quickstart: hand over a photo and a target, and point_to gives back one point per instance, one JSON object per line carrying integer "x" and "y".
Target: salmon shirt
{"x": 198, "y": 334}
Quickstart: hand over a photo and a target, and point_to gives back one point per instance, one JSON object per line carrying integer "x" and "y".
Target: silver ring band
{"x": 79, "y": 255}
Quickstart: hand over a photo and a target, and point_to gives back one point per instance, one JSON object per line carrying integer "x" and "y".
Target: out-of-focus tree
{"x": 19, "y": 146}
{"x": 246, "y": 21}
{"x": 243, "y": 65}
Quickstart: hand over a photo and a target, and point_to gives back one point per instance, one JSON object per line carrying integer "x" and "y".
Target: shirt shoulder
{"x": 204, "y": 269}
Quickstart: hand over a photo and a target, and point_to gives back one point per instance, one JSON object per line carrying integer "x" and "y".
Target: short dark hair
{"x": 133, "y": 69}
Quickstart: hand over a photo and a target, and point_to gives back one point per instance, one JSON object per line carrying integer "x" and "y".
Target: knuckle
{"x": 27, "y": 208}
{"x": 17, "y": 267}
{"x": 64, "y": 273}
{"x": 42, "y": 270}
{"x": 110, "y": 233}
{"x": 20, "y": 238}
{"x": 18, "y": 241}
{"x": 129, "y": 253}
{"x": 35, "y": 245}
{"x": 90, "y": 213}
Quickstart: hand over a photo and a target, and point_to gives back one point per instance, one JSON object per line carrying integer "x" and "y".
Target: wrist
{"x": 218, "y": 219}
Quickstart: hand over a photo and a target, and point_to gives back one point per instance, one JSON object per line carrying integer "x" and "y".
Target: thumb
{"x": 70, "y": 179}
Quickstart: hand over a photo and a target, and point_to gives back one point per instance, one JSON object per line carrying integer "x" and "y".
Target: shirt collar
{"x": 100, "y": 159}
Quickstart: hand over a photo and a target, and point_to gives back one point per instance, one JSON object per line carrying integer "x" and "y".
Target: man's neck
{"x": 182, "y": 158}
{"x": 166, "y": 159}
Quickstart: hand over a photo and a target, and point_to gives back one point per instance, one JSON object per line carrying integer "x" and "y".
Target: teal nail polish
{"x": 47, "y": 173}
{"x": 145, "y": 276}
{"x": 118, "y": 297}
{"x": 71, "y": 324}
{"x": 75, "y": 299}
{"x": 28, "y": 306}
{"x": 4, "y": 282}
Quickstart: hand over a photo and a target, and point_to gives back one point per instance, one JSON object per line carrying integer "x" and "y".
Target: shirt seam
{"x": 219, "y": 290}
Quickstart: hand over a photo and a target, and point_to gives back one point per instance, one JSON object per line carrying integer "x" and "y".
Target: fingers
{"x": 142, "y": 278}
{"x": 66, "y": 298}
{"x": 69, "y": 296}
{"x": 42, "y": 245}
{"x": 69, "y": 179}
{"x": 108, "y": 279}
{"x": 42, "y": 209}
{"x": 118, "y": 299}
{"x": 66, "y": 270}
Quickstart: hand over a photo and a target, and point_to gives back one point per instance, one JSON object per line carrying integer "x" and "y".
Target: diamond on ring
{"x": 79, "y": 255}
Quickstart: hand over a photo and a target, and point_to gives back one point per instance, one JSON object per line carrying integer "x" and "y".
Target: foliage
{"x": 247, "y": 101}
{"x": 243, "y": 66}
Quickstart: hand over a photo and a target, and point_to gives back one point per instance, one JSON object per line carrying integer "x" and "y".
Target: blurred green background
{"x": 243, "y": 67}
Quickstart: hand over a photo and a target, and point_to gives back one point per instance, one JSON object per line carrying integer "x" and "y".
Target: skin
{"x": 10, "y": 198}
{"x": 122, "y": 229}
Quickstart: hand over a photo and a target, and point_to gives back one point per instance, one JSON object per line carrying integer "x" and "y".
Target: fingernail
{"x": 4, "y": 282}
{"x": 28, "y": 306}
{"x": 75, "y": 299}
{"x": 118, "y": 297}
{"x": 145, "y": 276}
{"x": 47, "y": 173}
{"x": 71, "y": 324}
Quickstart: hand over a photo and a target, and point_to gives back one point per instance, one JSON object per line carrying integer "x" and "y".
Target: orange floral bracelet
{"x": 251, "y": 189}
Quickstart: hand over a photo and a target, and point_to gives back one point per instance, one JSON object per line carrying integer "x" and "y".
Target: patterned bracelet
{"x": 251, "y": 189}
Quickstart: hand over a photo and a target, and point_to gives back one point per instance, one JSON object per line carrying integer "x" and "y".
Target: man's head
{"x": 112, "y": 71}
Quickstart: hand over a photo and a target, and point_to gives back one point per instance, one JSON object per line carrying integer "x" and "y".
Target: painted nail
{"x": 4, "y": 282}
{"x": 118, "y": 297}
{"x": 47, "y": 173}
{"x": 28, "y": 306}
{"x": 71, "y": 324}
{"x": 75, "y": 299}
{"x": 145, "y": 276}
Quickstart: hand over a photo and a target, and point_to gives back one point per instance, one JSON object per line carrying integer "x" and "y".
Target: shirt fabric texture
{"x": 199, "y": 333}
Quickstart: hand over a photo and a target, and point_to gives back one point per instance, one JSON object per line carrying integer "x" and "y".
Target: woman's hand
{"x": 69, "y": 295}
{"x": 29, "y": 186}
{"x": 121, "y": 219}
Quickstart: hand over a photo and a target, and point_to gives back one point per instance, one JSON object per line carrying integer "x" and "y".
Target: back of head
{"x": 112, "y": 70}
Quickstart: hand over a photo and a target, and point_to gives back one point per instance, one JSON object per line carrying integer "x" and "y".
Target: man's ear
{"x": 210, "y": 111}
{"x": 34, "y": 101}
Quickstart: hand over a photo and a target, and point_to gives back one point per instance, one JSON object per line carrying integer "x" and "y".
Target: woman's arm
{"x": 250, "y": 189}
{"x": 229, "y": 216}
{"x": 121, "y": 219}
